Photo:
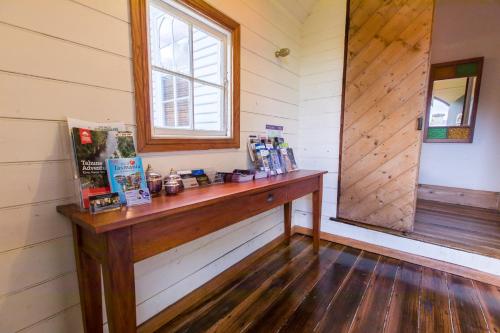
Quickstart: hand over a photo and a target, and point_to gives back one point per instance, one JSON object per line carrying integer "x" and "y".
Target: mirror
{"x": 452, "y": 101}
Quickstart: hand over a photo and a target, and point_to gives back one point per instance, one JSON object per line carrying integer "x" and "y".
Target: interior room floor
{"x": 472, "y": 229}
{"x": 343, "y": 289}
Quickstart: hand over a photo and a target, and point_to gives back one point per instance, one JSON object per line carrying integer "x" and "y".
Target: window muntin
{"x": 190, "y": 73}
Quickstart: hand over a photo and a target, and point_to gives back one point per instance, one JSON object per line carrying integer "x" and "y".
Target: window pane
{"x": 169, "y": 114}
{"x": 169, "y": 42}
{"x": 207, "y": 55}
{"x": 167, "y": 87}
{"x": 183, "y": 113}
{"x": 172, "y": 103}
{"x": 182, "y": 88}
{"x": 207, "y": 107}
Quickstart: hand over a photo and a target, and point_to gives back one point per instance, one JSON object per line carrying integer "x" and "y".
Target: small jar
{"x": 176, "y": 177}
{"x": 172, "y": 187}
{"x": 173, "y": 183}
{"x": 154, "y": 181}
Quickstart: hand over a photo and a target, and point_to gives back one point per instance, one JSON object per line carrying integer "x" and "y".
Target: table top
{"x": 163, "y": 205}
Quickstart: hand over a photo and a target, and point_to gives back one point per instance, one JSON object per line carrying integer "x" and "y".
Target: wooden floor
{"x": 341, "y": 290}
{"x": 472, "y": 229}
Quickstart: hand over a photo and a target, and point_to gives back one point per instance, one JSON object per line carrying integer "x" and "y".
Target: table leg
{"x": 317, "y": 202}
{"x": 89, "y": 283}
{"x": 119, "y": 284}
{"x": 288, "y": 222}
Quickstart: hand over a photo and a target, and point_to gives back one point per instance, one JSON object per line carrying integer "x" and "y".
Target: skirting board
{"x": 459, "y": 196}
{"x": 405, "y": 256}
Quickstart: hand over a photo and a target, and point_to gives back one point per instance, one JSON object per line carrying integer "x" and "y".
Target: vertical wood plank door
{"x": 387, "y": 64}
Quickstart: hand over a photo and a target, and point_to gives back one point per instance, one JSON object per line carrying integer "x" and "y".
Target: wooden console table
{"x": 116, "y": 240}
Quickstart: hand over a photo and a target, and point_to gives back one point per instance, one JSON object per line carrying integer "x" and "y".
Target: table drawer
{"x": 302, "y": 188}
{"x": 165, "y": 233}
{"x": 268, "y": 199}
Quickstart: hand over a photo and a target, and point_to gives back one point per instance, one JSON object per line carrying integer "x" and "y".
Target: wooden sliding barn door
{"x": 387, "y": 62}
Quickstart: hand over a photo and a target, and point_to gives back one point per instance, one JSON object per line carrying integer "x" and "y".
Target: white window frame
{"x": 194, "y": 19}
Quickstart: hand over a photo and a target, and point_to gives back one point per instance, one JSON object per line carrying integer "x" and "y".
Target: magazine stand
{"x": 112, "y": 242}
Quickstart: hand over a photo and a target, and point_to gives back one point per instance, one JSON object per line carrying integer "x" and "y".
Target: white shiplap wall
{"x": 72, "y": 58}
{"x": 321, "y": 63}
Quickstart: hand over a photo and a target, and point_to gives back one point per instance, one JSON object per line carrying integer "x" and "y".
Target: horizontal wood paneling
{"x": 26, "y": 267}
{"x": 30, "y": 224}
{"x": 68, "y": 320}
{"x": 271, "y": 70}
{"x": 62, "y": 60}
{"x": 272, "y": 89}
{"x": 274, "y": 14}
{"x": 73, "y": 100}
{"x": 33, "y": 140}
{"x": 38, "y": 303}
{"x": 26, "y": 183}
{"x": 251, "y": 122}
{"x": 320, "y": 96}
{"x": 116, "y": 8}
{"x": 252, "y": 40}
{"x": 92, "y": 28}
{"x": 256, "y": 103}
{"x": 256, "y": 22}
{"x": 82, "y": 70}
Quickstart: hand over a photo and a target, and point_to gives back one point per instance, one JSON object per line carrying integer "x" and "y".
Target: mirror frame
{"x": 448, "y": 70}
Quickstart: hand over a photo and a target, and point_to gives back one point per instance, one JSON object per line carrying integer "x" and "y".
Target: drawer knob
{"x": 270, "y": 197}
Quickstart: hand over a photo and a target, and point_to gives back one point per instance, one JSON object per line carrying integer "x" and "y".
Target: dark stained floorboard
{"x": 489, "y": 296}
{"x": 277, "y": 314}
{"x": 404, "y": 308}
{"x": 343, "y": 307}
{"x": 372, "y": 310}
{"x": 249, "y": 309}
{"x": 466, "y": 310}
{"x": 311, "y": 311}
{"x": 341, "y": 290}
{"x": 434, "y": 306}
{"x": 189, "y": 322}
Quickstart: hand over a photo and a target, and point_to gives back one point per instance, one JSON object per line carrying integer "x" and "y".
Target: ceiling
{"x": 300, "y": 9}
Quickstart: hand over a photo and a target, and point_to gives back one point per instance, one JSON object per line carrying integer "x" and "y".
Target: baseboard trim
{"x": 173, "y": 310}
{"x": 405, "y": 256}
{"x": 460, "y": 196}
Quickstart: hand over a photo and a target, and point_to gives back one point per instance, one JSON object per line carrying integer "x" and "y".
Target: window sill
{"x": 166, "y": 145}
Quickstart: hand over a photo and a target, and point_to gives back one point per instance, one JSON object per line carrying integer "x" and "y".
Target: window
{"x": 186, "y": 68}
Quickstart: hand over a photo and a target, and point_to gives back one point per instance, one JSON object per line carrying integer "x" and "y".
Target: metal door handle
{"x": 270, "y": 197}
{"x": 420, "y": 123}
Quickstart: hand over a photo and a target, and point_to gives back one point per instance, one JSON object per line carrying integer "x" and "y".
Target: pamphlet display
{"x": 271, "y": 154}
{"x": 92, "y": 144}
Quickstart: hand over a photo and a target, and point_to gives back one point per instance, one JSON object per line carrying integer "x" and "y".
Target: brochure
{"x": 291, "y": 157}
{"x": 126, "y": 177}
{"x": 275, "y": 165}
{"x": 104, "y": 202}
{"x": 91, "y": 149}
